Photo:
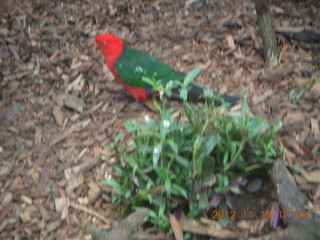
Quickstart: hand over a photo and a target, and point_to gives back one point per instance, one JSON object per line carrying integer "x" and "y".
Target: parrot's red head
{"x": 111, "y": 46}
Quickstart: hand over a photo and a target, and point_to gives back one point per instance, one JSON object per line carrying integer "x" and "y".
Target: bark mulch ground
{"x": 60, "y": 106}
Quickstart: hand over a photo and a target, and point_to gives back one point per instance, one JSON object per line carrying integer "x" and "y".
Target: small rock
{"x": 301, "y": 82}
{"x": 20, "y": 146}
{"x": 293, "y": 117}
{"x": 307, "y": 72}
{"x": 314, "y": 93}
{"x": 13, "y": 111}
{"x": 39, "y": 81}
{"x": 310, "y": 142}
{"x": 254, "y": 185}
{"x": 124, "y": 230}
{"x": 74, "y": 235}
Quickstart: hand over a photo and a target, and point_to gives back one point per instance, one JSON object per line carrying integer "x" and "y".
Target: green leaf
{"x": 167, "y": 185}
{"x": 208, "y": 176}
{"x": 225, "y": 159}
{"x": 223, "y": 221}
{"x": 118, "y": 137}
{"x": 162, "y": 208}
{"x": 223, "y": 183}
{"x": 193, "y": 213}
{"x": 203, "y": 201}
{"x": 151, "y": 82}
{"x": 180, "y": 190}
{"x": 256, "y": 126}
{"x": 184, "y": 94}
{"x": 208, "y": 93}
{"x": 202, "y": 143}
{"x": 211, "y": 142}
{"x": 111, "y": 183}
{"x": 293, "y": 92}
{"x": 191, "y": 75}
{"x": 184, "y": 162}
{"x": 152, "y": 214}
{"x": 173, "y": 146}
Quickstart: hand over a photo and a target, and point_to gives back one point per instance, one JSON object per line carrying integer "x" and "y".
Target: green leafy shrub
{"x": 185, "y": 160}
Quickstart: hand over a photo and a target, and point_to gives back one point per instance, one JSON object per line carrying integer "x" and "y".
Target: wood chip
{"x": 26, "y": 199}
{"x": 312, "y": 176}
{"x": 53, "y": 225}
{"x": 6, "y": 210}
{"x": 73, "y": 184}
{"x": 85, "y": 166}
{"x": 77, "y": 84}
{"x": 230, "y": 42}
{"x": 212, "y": 230}
{"x": 25, "y": 217}
{"x": 89, "y": 211}
{"x": 315, "y": 128}
{"x": 58, "y": 115}
{"x": 45, "y": 214}
{"x": 61, "y": 203}
{"x": 6, "y": 200}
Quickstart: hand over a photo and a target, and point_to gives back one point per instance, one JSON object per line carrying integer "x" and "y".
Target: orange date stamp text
{"x": 303, "y": 214}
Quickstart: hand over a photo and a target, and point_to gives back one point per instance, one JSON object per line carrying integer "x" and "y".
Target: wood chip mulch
{"x": 60, "y": 106}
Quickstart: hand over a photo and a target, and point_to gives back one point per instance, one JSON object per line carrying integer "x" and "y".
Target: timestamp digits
{"x": 303, "y": 214}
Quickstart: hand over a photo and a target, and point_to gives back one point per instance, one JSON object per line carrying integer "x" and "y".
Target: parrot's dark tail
{"x": 194, "y": 95}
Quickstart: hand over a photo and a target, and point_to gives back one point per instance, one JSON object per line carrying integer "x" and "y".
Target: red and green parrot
{"x": 129, "y": 66}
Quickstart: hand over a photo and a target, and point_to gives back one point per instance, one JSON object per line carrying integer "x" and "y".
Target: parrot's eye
{"x": 103, "y": 43}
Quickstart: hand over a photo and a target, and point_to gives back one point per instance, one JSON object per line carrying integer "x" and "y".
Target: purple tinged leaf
{"x": 229, "y": 201}
{"x": 215, "y": 200}
{"x": 177, "y": 212}
{"x": 239, "y": 182}
{"x": 276, "y": 219}
{"x": 134, "y": 189}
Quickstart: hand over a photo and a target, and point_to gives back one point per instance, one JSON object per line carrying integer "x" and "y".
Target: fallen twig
{"x": 89, "y": 211}
{"x": 301, "y": 92}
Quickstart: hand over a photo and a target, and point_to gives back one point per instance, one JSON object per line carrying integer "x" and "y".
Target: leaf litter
{"x": 52, "y": 158}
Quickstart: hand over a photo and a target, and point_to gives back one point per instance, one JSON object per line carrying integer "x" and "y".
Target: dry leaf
{"x": 176, "y": 227}
{"x": 317, "y": 193}
{"x": 230, "y": 42}
{"x": 315, "y": 128}
{"x": 58, "y": 115}
{"x": 78, "y": 83}
{"x": 314, "y": 93}
{"x": 73, "y": 184}
{"x": 74, "y": 103}
{"x": 312, "y": 176}
{"x": 61, "y": 203}
{"x": 25, "y": 216}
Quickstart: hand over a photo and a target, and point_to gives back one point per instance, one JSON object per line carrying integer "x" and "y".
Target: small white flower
{"x": 166, "y": 123}
{"x": 107, "y": 176}
{"x": 146, "y": 118}
{"x": 113, "y": 111}
{"x": 12, "y": 221}
{"x": 156, "y": 150}
{"x": 161, "y": 94}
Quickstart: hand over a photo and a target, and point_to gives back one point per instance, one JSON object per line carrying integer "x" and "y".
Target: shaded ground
{"x": 52, "y": 158}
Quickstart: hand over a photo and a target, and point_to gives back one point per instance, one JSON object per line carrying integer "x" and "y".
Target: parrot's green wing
{"x": 133, "y": 65}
